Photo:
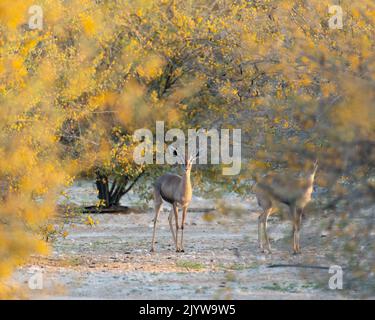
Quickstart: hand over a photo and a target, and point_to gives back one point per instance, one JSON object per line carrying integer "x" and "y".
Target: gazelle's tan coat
{"x": 177, "y": 191}
{"x": 294, "y": 192}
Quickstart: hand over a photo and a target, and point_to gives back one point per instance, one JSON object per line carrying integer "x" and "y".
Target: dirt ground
{"x": 221, "y": 261}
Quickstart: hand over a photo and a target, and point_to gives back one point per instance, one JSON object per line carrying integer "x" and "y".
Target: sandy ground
{"x": 222, "y": 261}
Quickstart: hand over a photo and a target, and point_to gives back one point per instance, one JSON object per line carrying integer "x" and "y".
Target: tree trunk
{"x": 111, "y": 196}
{"x": 103, "y": 188}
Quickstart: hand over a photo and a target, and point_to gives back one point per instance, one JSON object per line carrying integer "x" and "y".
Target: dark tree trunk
{"x": 111, "y": 195}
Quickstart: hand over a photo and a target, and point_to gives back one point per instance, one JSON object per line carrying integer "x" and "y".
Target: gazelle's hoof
{"x": 296, "y": 253}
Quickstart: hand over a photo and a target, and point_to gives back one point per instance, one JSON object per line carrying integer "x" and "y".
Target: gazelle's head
{"x": 315, "y": 167}
{"x": 313, "y": 171}
{"x": 187, "y": 161}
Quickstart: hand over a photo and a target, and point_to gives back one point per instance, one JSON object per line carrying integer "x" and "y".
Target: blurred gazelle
{"x": 294, "y": 192}
{"x": 177, "y": 191}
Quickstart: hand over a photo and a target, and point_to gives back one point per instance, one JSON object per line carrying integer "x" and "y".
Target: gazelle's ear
{"x": 192, "y": 158}
{"x": 196, "y": 156}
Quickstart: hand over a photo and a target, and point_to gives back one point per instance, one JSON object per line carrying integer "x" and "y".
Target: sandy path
{"x": 112, "y": 260}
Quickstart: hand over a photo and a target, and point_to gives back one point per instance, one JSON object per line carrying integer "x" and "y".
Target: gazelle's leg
{"x": 175, "y": 210}
{"x": 170, "y": 219}
{"x": 184, "y": 211}
{"x": 293, "y": 213}
{"x": 260, "y": 229}
{"x": 295, "y": 248}
{"x": 298, "y": 227}
{"x": 266, "y": 215}
{"x": 158, "y": 207}
{"x": 266, "y": 204}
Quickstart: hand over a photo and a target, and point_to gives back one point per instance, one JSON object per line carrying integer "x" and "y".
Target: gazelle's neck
{"x": 311, "y": 177}
{"x": 186, "y": 178}
{"x": 186, "y": 189}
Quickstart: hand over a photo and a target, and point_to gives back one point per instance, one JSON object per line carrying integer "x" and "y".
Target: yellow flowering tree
{"x": 73, "y": 91}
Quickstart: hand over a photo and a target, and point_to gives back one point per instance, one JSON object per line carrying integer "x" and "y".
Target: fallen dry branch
{"x": 297, "y": 266}
{"x": 128, "y": 210}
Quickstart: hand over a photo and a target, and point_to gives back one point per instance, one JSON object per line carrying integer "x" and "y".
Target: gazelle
{"x": 294, "y": 192}
{"x": 177, "y": 191}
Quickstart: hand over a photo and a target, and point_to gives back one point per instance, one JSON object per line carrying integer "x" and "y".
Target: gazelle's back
{"x": 285, "y": 188}
{"x": 167, "y": 185}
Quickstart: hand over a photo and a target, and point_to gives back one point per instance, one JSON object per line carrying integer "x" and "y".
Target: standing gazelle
{"x": 177, "y": 191}
{"x": 294, "y": 192}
